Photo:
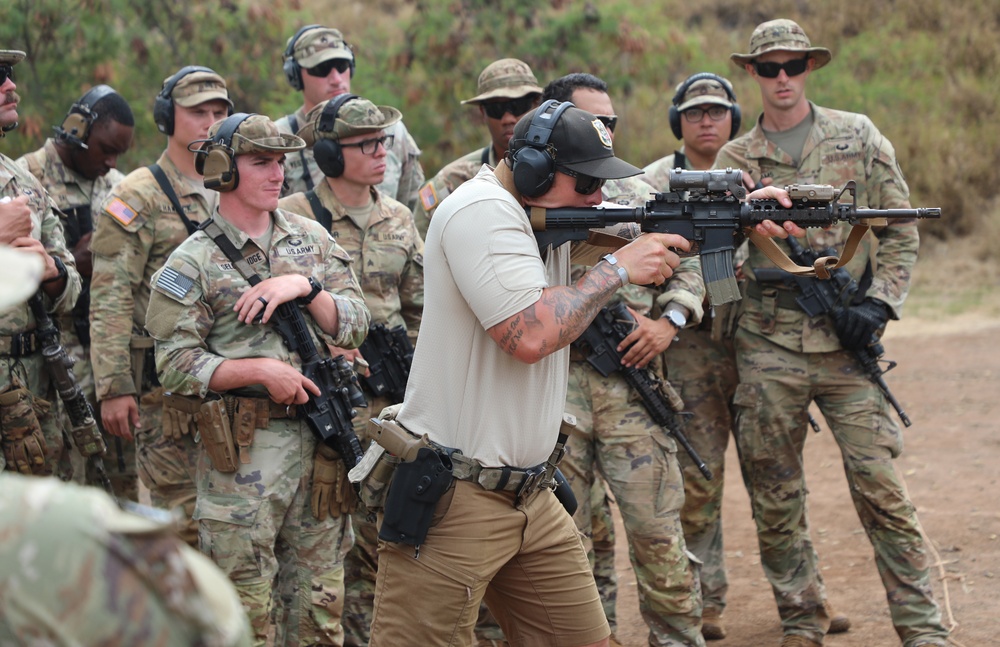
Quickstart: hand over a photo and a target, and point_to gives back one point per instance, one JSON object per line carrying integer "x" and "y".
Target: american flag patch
{"x": 175, "y": 283}
{"x": 120, "y": 211}
{"x": 428, "y": 196}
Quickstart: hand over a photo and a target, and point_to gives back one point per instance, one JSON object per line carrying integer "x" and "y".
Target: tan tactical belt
{"x": 19, "y": 344}
{"x": 275, "y": 411}
{"x": 783, "y": 298}
{"x": 506, "y": 479}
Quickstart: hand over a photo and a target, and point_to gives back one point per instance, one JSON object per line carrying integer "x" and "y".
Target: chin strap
{"x": 6, "y": 129}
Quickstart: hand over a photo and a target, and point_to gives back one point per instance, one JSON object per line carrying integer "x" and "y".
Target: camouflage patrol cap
{"x": 781, "y": 35}
{"x": 705, "y": 91}
{"x": 196, "y": 88}
{"x": 258, "y": 134}
{"x": 11, "y": 56}
{"x": 356, "y": 117}
{"x": 318, "y": 45}
{"x": 508, "y": 78}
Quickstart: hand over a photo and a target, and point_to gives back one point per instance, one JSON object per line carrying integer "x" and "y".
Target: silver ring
{"x": 262, "y": 300}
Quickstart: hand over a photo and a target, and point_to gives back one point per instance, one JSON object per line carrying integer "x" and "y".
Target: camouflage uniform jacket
{"x": 46, "y": 227}
{"x": 67, "y": 188}
{"x": 658, "y": 172}
{"x": 133, "y": 236}
{"x": 841, "y": 146}
{"x": 191, "y": 310}
{"x": 447, "y": 180}
{"x": 388, "y": 256}
{"x": 403, "y": 173}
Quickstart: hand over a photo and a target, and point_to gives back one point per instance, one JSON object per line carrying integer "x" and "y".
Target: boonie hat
{"x": 580, "y": 142}
{"x": 781, "y": 35}
{"x": 198, "y": 87}
{"x": 258, "y": 134}
{"x": 318, "y": 45}
{"x": 356, "y": 117}
{"x": 508, "y": 78}
{"x": 704, "y": 91}
{"x": 11, "y": 56}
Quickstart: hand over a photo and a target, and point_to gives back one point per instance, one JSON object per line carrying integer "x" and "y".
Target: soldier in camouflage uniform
{"x": 506, "y": 89}
{"x": 786, "y": 360}
{"x": 379, "y": 234}
{"x": 137, "y": 228}
{"x": 279, "y": 501}
{"x": 320, "y": 63}
{"x": 30, "y": 431}
{"x": 133, "y": 581}
{"x": 613, "y": 426}
{"x": 77, "y": 169}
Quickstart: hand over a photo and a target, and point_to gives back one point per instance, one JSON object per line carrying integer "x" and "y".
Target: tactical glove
{"x": 857, "y": 325}
{"x": 23, "y": 443}
{"x": 332, "y": 492}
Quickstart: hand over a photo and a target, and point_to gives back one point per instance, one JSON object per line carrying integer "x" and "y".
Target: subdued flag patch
{"x": 173, "y": 282}
{"x": 120, "y": 211}
{"x": 428, "y": 196}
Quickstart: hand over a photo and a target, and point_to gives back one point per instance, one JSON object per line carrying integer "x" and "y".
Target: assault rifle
{"x": 86, "y": 436}
{"x": 600, "y": 341}
{"x": 819, "y": 297}
{"x": 707, "y": 208}
{"x": 389, "y": 354}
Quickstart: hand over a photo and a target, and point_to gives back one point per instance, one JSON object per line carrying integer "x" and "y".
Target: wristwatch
{"x": 60, "y": 269}
{"x": 316, "y": 289}
{"x": 622, "y": 272}
{"x": 676, "y": 318}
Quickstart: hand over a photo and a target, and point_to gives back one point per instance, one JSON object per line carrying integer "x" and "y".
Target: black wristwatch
{"x": 60, "y": 268}
{"x": 316, "y": 289}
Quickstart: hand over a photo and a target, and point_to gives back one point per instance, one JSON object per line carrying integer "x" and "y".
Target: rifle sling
{"x": 823, "y": 265}
{"x": 323, "y": 215}
{"x": 161, "y": 179}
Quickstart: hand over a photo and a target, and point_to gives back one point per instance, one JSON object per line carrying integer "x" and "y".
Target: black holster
{"x": 414, "y": 492}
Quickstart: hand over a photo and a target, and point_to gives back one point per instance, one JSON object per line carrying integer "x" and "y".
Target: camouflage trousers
{"x": 776, "y": 387}
{"x": 258, "y": 520}
{"x": 42, "y": 408}
{"x": 602, "y": 530}
{"x": 168, "y": 467}
{"x": 704, "y": 371}
{"x": 615, "y": 435}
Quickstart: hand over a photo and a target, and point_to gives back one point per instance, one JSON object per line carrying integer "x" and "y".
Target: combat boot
{"x": 795, "y": 640}
{"x": 839, "y": 622}
{"x": 711, "y": 625}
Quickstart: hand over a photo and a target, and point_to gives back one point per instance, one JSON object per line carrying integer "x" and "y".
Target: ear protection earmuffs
{"x": 216, "y": 159}
{"x": 163, "y": 108}
{"x": 534, "y": 163}
{"x": 328, "y": 153}
{"x": 291, "y": 67}
{"x": 674, "y": 116}
{"x": 75, "y": 128}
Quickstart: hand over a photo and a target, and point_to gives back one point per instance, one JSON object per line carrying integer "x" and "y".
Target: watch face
{"x": 676, "y": 318}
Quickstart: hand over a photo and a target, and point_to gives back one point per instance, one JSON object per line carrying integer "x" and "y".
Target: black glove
{"x": 857, "y": 325}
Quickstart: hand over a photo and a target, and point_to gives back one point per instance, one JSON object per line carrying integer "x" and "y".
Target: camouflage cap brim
{"x": 11, "y": 56}
{"x": 355, "y": 123}
{"x": 279, "y": 143}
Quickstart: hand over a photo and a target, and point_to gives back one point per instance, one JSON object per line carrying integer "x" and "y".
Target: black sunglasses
{"x": 609, "y": 121}
{"x": 6, "y": 72}
{"x": 771, "y": 70}
{"x": 585, "y": 184}
{"x": 369, "y": 146}
{"x": 516, "y": 107}
{"x": 323, "y": 69}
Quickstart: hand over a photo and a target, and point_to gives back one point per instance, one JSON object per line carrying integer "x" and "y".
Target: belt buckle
{"x": 532, "y": 476}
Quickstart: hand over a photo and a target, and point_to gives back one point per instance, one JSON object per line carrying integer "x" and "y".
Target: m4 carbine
{"x": 707, "y": 208}
{"x": 389, "y": 354}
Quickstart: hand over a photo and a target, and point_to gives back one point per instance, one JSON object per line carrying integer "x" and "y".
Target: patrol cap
{"x": 704, "y": 91}
{"x": 356, "y": 117}
{"x": 581, "y": 143}
{"x": 11, "y": 56}
{"x": 258, "y": 134}
{"x": 508, "y": 78}
{"x": 318, "y": 45}
{"x": 198, "y": 87}
{"x": 781, "y": 35}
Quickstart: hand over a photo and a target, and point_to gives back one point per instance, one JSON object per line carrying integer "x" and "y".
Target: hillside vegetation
{"x": 924, "y": 70}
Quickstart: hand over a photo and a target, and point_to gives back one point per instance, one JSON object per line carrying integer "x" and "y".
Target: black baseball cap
{"x": 579, "y": 142}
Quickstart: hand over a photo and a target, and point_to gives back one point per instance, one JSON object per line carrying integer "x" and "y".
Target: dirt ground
{"x": 948, "y": 381}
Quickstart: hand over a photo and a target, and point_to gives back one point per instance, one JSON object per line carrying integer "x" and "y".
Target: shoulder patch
{"x": 428, "y": 196}
{"x": 120, "y": 211}
{"x": 175, "y": 281}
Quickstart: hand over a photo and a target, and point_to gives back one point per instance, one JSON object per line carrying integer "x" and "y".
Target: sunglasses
{"x": 695, "y": 115}
{"x": 609, "y": 121}
{"x": 323, "y": 69}
{"x": 516, "y": 107}
{"x": 6, "y": 72}
{"x": 585, "y": 184}
{"x": 369, "y": 146}
{"x": 771, "y": 70}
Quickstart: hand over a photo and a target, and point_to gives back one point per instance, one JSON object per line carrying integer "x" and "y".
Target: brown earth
{"x": 948, "y": 381}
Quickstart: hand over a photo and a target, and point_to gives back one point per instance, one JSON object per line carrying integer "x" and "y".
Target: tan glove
{"x": 23, "y": 442}
{"x": 332, "y": 492}
{"x": 179, "y": 415}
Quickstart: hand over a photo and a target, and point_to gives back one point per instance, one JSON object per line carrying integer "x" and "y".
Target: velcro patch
{"x": 428, "y": 196}
{"x": 301, "y": 250}
{"x": 120, "y": 211}
{"x": 173, "y": 282}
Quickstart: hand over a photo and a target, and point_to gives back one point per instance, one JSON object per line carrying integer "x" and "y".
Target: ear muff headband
{"x": 216, "y": 160}
{"x": 163, "y": 108}
{"x": 674, "y": 116}
{"x": 75, "y": 128}
{"x": 328, "y": 153}
{"x": 291, "y": 67}
{"x": 534, "y": 163}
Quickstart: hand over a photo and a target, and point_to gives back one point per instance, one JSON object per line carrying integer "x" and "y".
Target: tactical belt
{"x": 275, "y": 410}
{"x": 783, "y": 298}
{"x": 19, "y": 344}
{"x": 506, "y": 479}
